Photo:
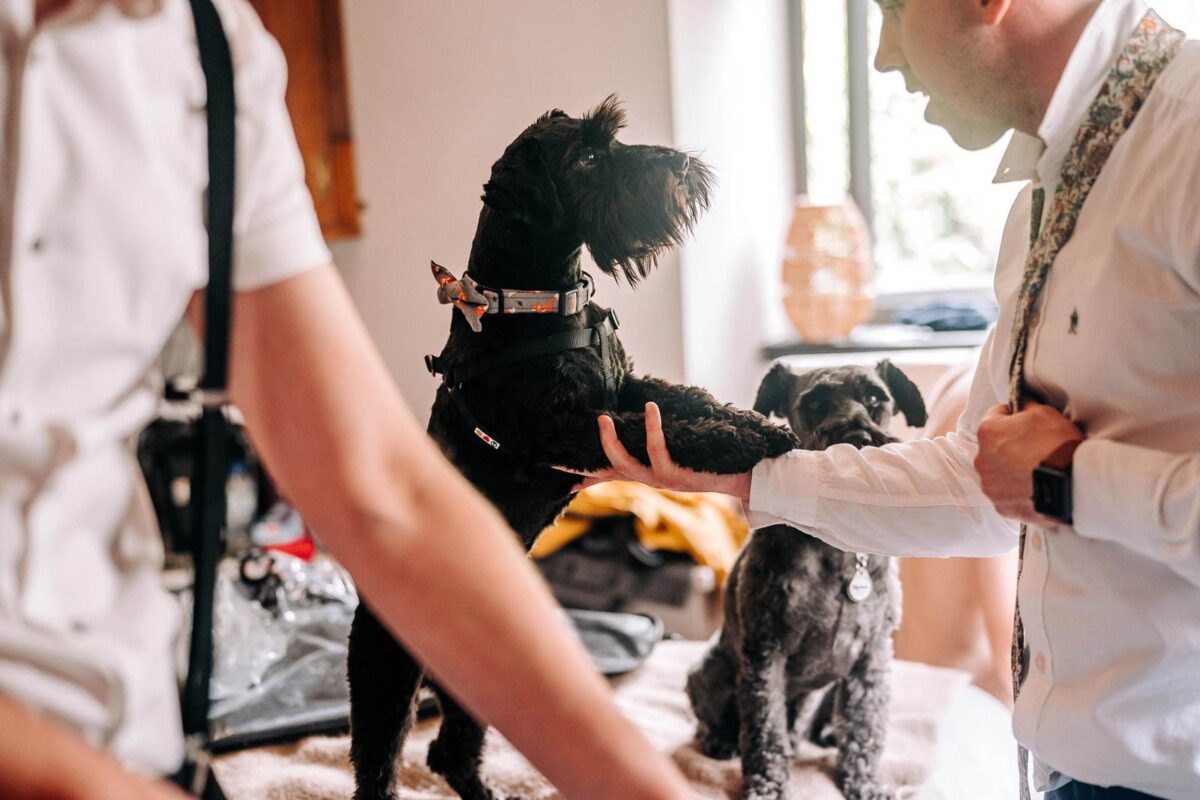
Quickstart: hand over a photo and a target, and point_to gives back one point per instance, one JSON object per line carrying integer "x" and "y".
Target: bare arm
{"x": 439, "y": 565}
{"x": 40, "y": 760}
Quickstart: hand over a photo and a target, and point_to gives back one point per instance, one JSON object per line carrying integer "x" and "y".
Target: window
{"x": 936, "y": 216}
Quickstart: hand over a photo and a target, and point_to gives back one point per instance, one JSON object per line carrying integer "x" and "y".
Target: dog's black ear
{"x": 551, "y": 114}
{"x": 602, "y": 123}
{"x": 521, "y": 186}
{"x": 906, "y": 394}
{"x": 773, "y": 392}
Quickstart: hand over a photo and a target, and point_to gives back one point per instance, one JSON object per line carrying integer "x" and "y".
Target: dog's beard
{"x": 647, "y": 211}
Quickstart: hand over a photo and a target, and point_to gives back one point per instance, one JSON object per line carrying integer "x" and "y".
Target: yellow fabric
{"x": 709, "y": 527}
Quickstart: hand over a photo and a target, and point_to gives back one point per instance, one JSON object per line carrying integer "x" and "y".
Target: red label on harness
{"x": 487, "y": 439}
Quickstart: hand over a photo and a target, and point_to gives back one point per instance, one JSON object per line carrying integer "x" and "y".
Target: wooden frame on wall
{"x": 310, "y": 34}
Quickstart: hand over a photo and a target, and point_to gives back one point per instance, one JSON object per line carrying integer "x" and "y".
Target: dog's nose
{"x": 679, "y": 162}
{"x": 858, "y": 438}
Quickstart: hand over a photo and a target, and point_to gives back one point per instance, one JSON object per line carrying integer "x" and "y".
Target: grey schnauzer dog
{"x": 525, "y": 377}
{"x": 808, "y": 626}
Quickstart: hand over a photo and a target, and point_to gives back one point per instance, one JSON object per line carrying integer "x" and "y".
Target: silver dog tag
{"x": 859, "y": 587}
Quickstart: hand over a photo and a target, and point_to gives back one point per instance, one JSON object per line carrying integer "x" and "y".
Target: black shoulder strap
{"x": 212, "y": 440}
{"x": 221, "y": 109}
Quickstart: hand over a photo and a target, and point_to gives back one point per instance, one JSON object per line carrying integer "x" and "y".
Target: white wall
{"x": 730, "y": 88}
{"x": 437, "y": 89}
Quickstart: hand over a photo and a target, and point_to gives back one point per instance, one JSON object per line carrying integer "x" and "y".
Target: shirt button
{"x": 1036, "y": 541}
{"x": 1039, "y": 661}
{"x": 38, "y": 245}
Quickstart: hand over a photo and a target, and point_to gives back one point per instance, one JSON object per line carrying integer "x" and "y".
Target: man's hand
{"x": 1011, "y": 446}
{"x": 662, "y": 472}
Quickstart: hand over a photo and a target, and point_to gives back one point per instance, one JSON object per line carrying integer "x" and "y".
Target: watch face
{"x": 1052, "y": 493}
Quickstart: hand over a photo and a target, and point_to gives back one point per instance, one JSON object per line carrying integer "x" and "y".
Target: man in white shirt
{"x": 1110, "y": 603}
{"x": 102, "y": 245}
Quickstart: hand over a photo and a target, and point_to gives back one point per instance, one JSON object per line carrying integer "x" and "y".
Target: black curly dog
{"x": 791, "y": 629}
{"x": 565, "y": 183}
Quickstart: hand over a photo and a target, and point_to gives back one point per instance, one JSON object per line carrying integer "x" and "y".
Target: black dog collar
{"x": 475, "y": 300}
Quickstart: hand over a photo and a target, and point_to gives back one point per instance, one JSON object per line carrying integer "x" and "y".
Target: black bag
{"x": 212, "y": 437}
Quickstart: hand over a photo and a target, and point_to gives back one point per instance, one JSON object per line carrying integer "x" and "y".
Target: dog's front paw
{"x": 868, "y": 791}
{"x": 779, "y": 440}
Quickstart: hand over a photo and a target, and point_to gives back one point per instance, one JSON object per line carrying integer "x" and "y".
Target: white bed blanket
{"x": 947, "y": 740}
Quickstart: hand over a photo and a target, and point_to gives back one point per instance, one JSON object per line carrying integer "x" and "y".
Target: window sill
{"x": 879, "y": 339}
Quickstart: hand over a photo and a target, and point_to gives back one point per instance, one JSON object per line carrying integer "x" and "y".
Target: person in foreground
{"x": 101, "y": 249}
{"x": 1092, "y": 369}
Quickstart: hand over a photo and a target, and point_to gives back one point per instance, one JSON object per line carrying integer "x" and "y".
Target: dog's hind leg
{"x": 384, "y": 680}
{"x": 762, "y": 706}
{"x": 710, "y": 688}
{"x": 860, "y": 725}
{"x": 457, "y": 753}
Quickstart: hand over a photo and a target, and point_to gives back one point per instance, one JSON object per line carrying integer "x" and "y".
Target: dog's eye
{"x": 815, "y": 404}
{"x": 873, "y": 401}
{"x": 588, "y": 159}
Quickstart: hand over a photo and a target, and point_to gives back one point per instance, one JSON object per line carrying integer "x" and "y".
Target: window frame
{"x": 861, "y": 184}
{"x": 858, "y": 58}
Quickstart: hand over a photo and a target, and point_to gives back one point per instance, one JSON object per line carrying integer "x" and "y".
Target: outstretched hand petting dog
{"x": 663, "y": 472}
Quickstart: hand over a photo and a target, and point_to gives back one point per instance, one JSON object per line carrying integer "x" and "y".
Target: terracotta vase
{"x": 827, "y": 271}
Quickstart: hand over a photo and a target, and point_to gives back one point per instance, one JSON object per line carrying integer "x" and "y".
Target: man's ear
{"x": 774, "y": 391}
{"x": 522, "y": 188}
{"x": 906, "y": 394}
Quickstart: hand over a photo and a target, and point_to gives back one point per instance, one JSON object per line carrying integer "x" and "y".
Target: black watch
{"x": 1052, "y": 485}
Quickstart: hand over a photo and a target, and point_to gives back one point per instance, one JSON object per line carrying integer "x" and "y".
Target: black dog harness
{"x": 474, "y": 301}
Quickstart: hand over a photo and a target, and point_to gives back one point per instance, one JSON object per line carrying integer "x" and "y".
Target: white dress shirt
{"x": 101, "y": 245}
{"x": 1112, "y": 607}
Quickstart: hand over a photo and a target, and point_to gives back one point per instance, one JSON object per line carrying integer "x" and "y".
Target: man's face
{"x": 944, "y": 51}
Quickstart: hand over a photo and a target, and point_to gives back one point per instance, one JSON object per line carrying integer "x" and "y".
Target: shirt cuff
{"x": 784, "y": 489}
{"x": 1113, "y": 487}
